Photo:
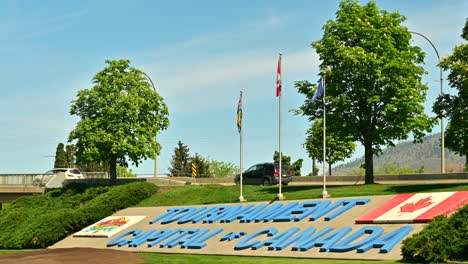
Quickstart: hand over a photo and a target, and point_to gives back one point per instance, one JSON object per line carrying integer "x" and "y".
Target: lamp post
{"x": 156, "y": 135}
{"x": 442, "y": 161}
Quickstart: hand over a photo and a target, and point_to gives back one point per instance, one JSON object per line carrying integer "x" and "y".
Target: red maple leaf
{"x": 411, "y": 207}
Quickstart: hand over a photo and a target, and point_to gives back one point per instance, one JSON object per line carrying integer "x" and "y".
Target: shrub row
{"x": 443, "y": 239}
{"x": 42, "y": 220}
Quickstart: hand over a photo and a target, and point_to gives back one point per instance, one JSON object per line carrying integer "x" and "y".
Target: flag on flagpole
{"x": 239, "y": 113}
{"x": 319, "y": 91}
{"x": 278, "y": 78}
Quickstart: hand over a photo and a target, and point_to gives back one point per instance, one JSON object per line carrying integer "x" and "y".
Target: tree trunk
{"x": 113, "y": 170}
{"x": 329, "y": 169}
{"x": 369, "y": 163}
{"x": 313, "y": 167}
{"x": 466, "y": 163}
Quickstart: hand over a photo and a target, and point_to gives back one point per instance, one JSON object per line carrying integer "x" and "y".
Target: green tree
{"x": 125, "y": 172}
{"x": 455, "y": 106}
{"x": 373, "y": 79}
{"x": 180, "y": 162}
{"x": 203, "y": 166}
{"x": 296, "y": 167}
{"x": 338, "y": 145}
{"x": 119, "y": 117}
{"x": 221, "y": 169}
{"x": 70, "y": 152}
{"x": 60, "y": 157}
{"x": 285, "y": 160}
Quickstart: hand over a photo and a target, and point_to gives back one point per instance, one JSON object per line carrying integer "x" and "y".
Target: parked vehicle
{"x": 69, "y": 173}
{"x": 265, "y": 174}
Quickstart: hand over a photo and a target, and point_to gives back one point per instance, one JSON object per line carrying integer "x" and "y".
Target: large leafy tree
{"x": 60, "y": 157}
{"x": 119, "y": 118}
{"x": 373, "y": 79}
{"x": 338, "y": 146}
{"x": 221, "y": 169}
{"x": 455, "y": 106}
{"x": 180, "y": 161}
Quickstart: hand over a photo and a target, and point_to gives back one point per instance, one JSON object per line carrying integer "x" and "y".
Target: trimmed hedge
{"x": 443, "y": 239}
{"x": 42, "y": 220}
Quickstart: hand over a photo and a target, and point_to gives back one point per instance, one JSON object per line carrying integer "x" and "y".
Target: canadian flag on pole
{"x": 278, "y": 78}
{"x": 415, "y": 208}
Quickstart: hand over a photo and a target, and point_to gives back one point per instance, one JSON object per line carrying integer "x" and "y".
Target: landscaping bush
{"x": 41, "y": 220}
{"x": 443, "y": 239}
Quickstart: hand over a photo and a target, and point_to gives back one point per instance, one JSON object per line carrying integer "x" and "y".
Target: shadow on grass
{"x": 416, "y": 188}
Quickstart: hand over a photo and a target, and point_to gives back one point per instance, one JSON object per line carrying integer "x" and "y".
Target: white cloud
{"x": 440, "y": 23}
{"x": 224, "y": 70}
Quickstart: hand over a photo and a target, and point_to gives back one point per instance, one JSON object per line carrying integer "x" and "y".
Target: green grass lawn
{"x": 153, "y": 258}
{"x": 210, "y": 194}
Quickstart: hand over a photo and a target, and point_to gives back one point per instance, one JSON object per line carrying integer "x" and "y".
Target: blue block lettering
{"x": 387, "y": 242}
{"x": 275, "y": 241}
{"x": 117, "y": 240}
{"x": 345, "y": 245}
{"x": 246, "y": 243}
{"x": 160, "y": 236}
{"x": 197, "y": 241}
{"x": 307, "y": 241}
{"x": 347, "y": 204}
{"x": 326, "y": 242}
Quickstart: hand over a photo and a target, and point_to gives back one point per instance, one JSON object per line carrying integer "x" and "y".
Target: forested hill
{"x": 423, "y": 157}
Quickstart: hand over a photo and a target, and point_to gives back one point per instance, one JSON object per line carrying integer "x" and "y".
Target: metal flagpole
{"x": 280, "y": 195}
{"x": 241, "y": 197}
{"x": 324, "y": 192}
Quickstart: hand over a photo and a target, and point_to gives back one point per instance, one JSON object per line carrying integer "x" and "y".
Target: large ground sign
{"x": 313, "y": 228}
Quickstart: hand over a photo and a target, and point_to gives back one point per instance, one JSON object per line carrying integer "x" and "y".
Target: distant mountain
{"x": 423, "y": 157}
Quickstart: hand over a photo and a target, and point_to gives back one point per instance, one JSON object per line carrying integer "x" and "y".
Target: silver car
{"x": 69, "y": 173}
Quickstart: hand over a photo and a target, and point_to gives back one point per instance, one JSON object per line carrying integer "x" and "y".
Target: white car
{"x": 69, "y": 173}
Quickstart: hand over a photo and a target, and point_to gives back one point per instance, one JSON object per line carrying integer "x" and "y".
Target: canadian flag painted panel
{"x": 420, "y": 207}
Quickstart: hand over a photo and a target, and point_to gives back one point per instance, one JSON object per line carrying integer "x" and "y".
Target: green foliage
{"x": 221, "y": 169}
{"x": 338, "y": 146}
{"x": 123, "y": 171}
{"x": 60, "y": 157}
{"x": 443, "y": 239}
{"x": 203, "y": 166}
{"x": 455, "y": 106}
{"x": 285, "y": 160}
{"x": 286, "y": 163}
{"x": 119, "y": 118}
{"x": 70, "y": 151}
{"x": 296, "y": 167}
{"x": 373, "y": 77}
{"x": 180, "y": 162}
{"x": 392, "y": 169}
{"x": 41, "y": 220}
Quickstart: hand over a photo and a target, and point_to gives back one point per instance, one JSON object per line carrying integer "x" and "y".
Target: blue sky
{"x": 200, "y": 54}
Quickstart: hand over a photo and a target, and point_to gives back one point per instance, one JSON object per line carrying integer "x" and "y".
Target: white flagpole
{"x": 324, "y": 192}
{"x": 280, "y": 195}
{"x": 241, "y": 197}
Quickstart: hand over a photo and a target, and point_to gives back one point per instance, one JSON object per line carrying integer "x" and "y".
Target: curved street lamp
{"x": 442, "y": 162}
{"x": 155, "y": 136}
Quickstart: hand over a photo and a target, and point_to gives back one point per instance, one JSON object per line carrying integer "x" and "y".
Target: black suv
{"x": 264, "y": 174}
